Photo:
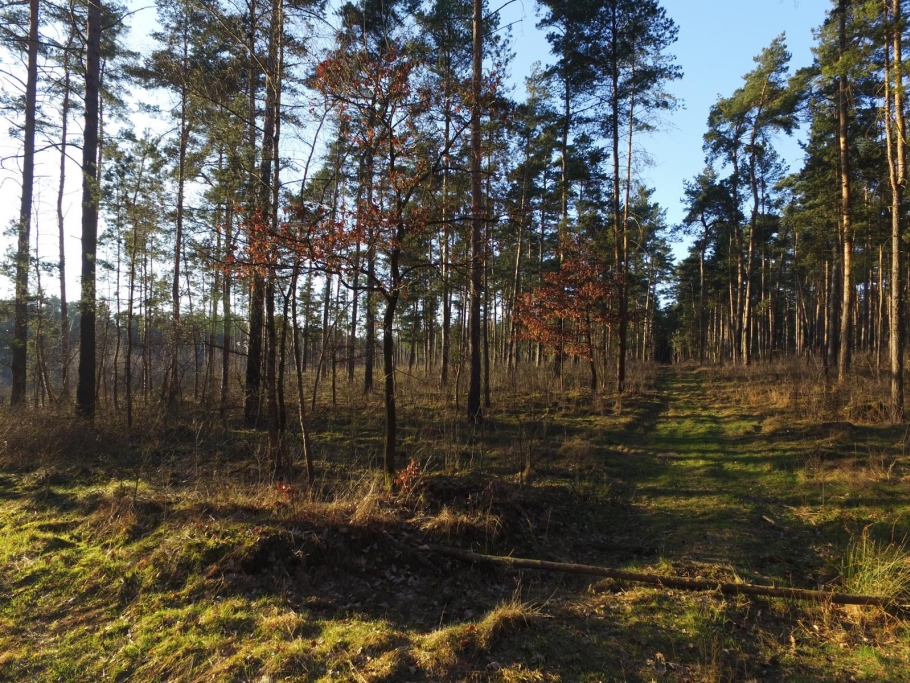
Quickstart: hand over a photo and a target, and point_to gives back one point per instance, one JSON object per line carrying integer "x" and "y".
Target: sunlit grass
{"x": 186, "y": 562}
{"x": 872, "y": 567}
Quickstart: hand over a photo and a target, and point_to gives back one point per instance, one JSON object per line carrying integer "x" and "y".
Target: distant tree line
{"x": 807, "y": 262}
{"x": 335, "y": 193}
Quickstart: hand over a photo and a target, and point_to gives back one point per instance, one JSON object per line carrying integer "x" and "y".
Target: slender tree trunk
{"x": 880, "y": 311}
{"x": 564, "y": 208}
{"x": 624, "y": 286}
{"x": 446, "y": 284}
{"x": 895, "y": 131}
{"x": 355, "y": 299}
{"x": 20, "y": 331}
{"x": 618, "y": 227}
{"x": 269, "y": 207}
{"x": 326, "y": 330}
{"x": 116, "y": 382}
{"x": 282, "y": 354}
{"x": 276, "y": 72}
{"x": 370, "y": 316}
{"x": 274, "y": 443}
{"x": 487, "y": 264}
{"x": 747, "y": 335}
{"x": 253, "y": 379}
{"x": 388, "y": 340}
{"x": 64, "y": 312}
{"x": 128, "y": 358}
{"x": 832, "y": 318}
{"x": 702, "y": 339}
{"x": 307, "y": 306}
{"x": 846, "y": 326}
{"x": 736, "y": 317}
{"x": 388, "y": 368}
{"x": 253, "y": 387}
{"x": 227, "y": 340}
{"x": 173, "y": 383}
{"x": 212, "y": 342}
{"x": 475, "y": 411}
{"x": 301, "y": 400}
{"x": 85, "y": 390}
{"x": 516, "y": 274}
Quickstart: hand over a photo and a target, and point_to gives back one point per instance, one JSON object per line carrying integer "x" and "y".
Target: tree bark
{"x": 298, "y": 367}
{"x": 475, "y": 411}
{"x": 85, "y": 390}
{"x": 618, "y": 227}
{"x": 64, "y": 311}
{"x": 20, "y": 330}
{"x": 388, "y": 368}
{"x": 173, "y": 383}
{"x": 895, "y": 130}
{"x": 253, "y": 379}
{"x": 846, "y": 320}
{"x": 446, "y": 277}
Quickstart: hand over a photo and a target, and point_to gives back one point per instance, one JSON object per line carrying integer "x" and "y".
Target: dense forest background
{"x": 347, "y": 194}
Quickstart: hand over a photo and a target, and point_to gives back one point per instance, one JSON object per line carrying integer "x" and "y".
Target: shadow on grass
{"x": 674, "y": 481}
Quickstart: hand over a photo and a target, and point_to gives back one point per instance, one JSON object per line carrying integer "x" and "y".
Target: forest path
{"x": 713, "y": 488}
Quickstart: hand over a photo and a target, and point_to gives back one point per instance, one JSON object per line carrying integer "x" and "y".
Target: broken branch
{"x": 664, "y": 581}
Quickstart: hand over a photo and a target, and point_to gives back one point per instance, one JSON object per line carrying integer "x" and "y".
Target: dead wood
{"x": 679, "y": 582}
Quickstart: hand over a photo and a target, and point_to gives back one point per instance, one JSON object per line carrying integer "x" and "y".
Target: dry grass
{"x": 369, "y": 501}
{"x": 505, "y": 619}
{"x": 450, "y": 524}
{"x": 874, "y": 567}
{"x": 441, "y": 650}
{"x": 176, "y": 552}
{"x": 862, "y": 473}
{"x": 797, "y": 390}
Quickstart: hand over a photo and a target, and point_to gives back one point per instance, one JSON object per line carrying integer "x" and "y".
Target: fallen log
{"x": 665, "y": 581}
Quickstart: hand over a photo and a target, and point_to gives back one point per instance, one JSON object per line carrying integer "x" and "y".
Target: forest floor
{"x": 178, "y": 558}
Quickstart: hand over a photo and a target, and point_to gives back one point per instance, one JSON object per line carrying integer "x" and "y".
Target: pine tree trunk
{"x": 516, "y": 274}
{"x": 388, "y": 368}
{"x": 618, "y": 227}
{"x": 446, "y": 277}
{"x": 85, "y": 390}
{"x": 226, "y": 315}
{"x": 274, "y": 441}
{"x": 173, "y": 388}
{"x": 19, "y": 365}
{"x": 301, "y": 400}
{"x": 355, "y": 300}
{"x": 846, "y": 327}
{"x": 128, "y": 359}
{"x": 64, "y": 312}
{"x": 475, "y": 413}
{"x": 564, "y": 208}
{"x": 895, "y": 131}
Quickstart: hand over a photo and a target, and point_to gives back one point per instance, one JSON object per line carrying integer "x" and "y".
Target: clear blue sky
{"x": 717, "y": 41}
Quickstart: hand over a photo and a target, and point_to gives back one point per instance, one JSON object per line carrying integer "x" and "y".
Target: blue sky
{"x": 717, "y": 41}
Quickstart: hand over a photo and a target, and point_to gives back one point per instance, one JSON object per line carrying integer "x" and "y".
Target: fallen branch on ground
{"x": 664, "y": 581}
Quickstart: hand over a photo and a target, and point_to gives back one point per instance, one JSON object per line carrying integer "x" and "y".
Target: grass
{"x": 172, "y": 554}
{"x": 875, "y": 568}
